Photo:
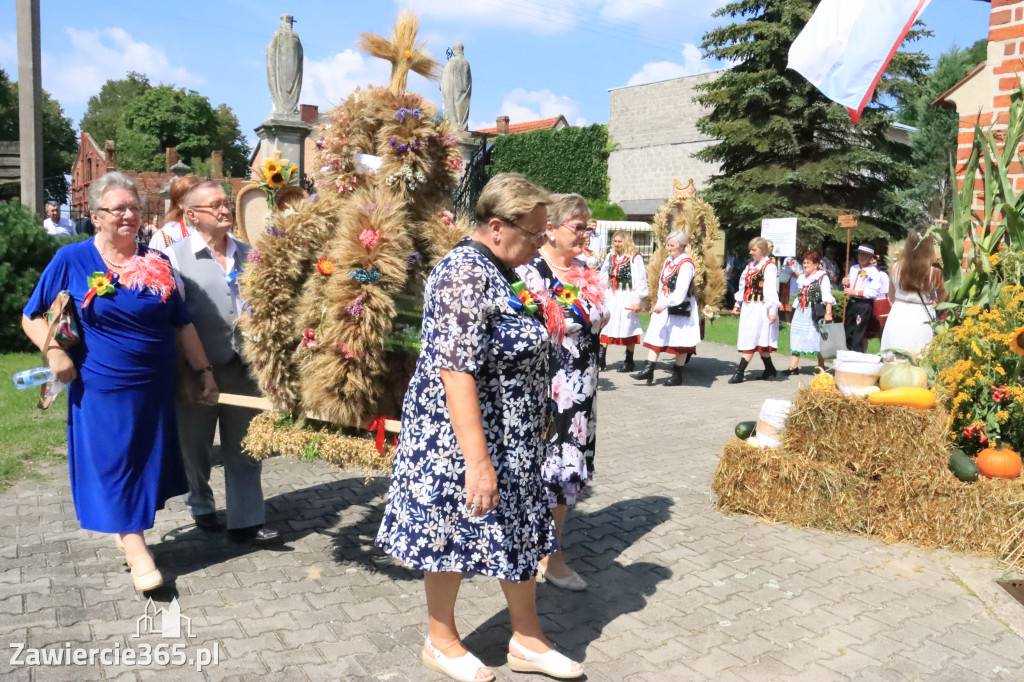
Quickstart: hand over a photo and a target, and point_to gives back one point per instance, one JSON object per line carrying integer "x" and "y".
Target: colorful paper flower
{"x": 254, "y": 256}
{"x": 414, "y": 260}
{"x": 447, "y": 218}
{"x": 309, "y": 339}
{"x": 522, "y": 300}
{"x": 362, "y": 276}
{"x": 325, "y": 266}
{"x": 369, "y": 238}
{"x": 100, "y": 284}
{"x": 357, "y": 308}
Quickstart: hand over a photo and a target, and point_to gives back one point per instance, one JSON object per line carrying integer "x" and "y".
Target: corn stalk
{"x": 972, "y": 276}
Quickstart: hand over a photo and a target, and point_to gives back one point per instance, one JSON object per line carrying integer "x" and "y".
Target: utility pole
{"x": 30, "y": 105}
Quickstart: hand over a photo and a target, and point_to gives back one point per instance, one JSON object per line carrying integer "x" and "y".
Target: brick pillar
{"x": 110, "y": 151}
{"x": 170, "y": 157}
{"x": 217, "y": 164}
{"x": 1006, "y": 56}
{"x": 310, "y": 113}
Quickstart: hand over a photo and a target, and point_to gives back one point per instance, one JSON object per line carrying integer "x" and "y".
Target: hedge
{"x": 568, "y": 160}
{"x": 25, "y": 249}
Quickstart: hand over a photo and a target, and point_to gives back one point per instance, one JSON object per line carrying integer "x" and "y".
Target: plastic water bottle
{"x": 37, "y": 376}
{"x": 32, "y": 377}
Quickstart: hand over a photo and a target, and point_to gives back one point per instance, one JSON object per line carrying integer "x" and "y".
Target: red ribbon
{"x": 378, "y": 425}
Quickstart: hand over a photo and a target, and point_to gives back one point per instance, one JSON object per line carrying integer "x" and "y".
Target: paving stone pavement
{"x": 678, "y": 590}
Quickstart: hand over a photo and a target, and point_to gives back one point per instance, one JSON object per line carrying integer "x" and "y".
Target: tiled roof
{"x": 527, "y": 126}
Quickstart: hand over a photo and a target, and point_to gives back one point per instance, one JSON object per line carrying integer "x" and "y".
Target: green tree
{"x": 60, "y": 145}
{"x": 787, "y": 150}
{"x": 103, "y": 113}
{"x": 143, "y": 120}
{"x": 25, "y": 249}
{"x": 935, "y": 142}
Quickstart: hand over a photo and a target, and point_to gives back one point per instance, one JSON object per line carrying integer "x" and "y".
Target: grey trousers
{"x": 197, "y": 425}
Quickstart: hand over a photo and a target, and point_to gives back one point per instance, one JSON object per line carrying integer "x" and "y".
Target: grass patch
{"x": 29, "y": 436}
{"x": 725, "y": 329}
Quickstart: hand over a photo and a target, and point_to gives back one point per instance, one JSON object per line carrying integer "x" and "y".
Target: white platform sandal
{"x": 464, "y": 668}
{"x": 549, "y": 663}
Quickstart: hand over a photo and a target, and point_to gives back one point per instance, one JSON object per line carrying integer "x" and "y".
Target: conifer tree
{"x": 787, "y": 150}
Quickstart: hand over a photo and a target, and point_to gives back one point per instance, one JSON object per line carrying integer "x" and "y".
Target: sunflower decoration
{"x": 275, "y": 174}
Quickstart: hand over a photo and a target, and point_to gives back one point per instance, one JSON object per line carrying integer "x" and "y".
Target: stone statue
{"x": 284, "y": 70}
{"x": 456, "y": 89}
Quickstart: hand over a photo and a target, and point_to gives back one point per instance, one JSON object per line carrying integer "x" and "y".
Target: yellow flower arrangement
{"x": 978, "y": 365}
{"x": 275, "y": 174}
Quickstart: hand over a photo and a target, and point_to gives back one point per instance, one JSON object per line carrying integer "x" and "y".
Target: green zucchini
{"x": 962, "y": 466}
{"x": 745, "y": 430}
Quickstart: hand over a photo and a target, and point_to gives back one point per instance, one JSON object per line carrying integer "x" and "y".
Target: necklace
{"x": 551, "y": 264}
{"x": 112, "y": 264}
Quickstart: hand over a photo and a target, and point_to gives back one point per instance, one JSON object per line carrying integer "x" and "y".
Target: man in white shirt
{"x": 861, "y": 287}
{"x": 595, "y": 251}
{"x": 54, "y": 224}
{"x": 206, "y": 266}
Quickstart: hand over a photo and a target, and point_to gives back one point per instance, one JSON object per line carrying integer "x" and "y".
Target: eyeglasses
{"x": 215, "y": 208}
{"x": 119, "y": 211}
{"x": 579, "y": 229}
{"x": 535, "y": 235}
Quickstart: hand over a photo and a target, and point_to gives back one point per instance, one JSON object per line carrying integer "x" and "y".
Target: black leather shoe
{"x": 646, "y": 374}
{"x": 769, "y": 373}
{"x": 791, "y": 372}
{"x": 737, "y": 378}
{"x": 209, "y": 523}
{"x": 253, "y": 534}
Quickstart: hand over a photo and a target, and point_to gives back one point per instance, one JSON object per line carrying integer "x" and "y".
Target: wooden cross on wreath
{"x": 402, "y": 51}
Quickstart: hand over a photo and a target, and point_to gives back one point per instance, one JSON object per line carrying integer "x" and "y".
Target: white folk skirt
{"x": 756, "y": 333}
{"x": 674, "y": 333}
{"x": 623, "y": 327}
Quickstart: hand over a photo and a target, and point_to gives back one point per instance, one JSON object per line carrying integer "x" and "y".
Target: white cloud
{"x": 659, "y": 71}
{"x": 326, "y": 82}
{"x": 529, "y": 105}
{"x": 549, "y": 17}
{"x": 101, "y": 54}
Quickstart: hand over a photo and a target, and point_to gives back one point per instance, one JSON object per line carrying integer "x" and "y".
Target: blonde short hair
{"x": 565, "y": 206}
{"x": 761, "y": 243}
{"x": 509, "y": 196}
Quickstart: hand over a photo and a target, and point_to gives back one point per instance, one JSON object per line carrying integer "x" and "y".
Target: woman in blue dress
{"x": 466, "y": 493}
{"x": 123, "y": 455}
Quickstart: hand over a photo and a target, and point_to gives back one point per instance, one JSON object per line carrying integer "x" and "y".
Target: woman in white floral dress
{"x": 574, "y": 367}
{"x": 466, "y": 493}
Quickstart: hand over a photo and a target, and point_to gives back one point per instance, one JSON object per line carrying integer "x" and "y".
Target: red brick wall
{"x": 1006, "y": 39}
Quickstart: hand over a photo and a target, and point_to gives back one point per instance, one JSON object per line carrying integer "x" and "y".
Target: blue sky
{"x": 530, "y": 58}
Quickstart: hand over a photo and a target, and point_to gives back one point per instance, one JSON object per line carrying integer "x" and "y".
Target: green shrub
{"x": 25, "y": 249}
{"x": 602, "y": 209}
{"x": 570, "y": 160}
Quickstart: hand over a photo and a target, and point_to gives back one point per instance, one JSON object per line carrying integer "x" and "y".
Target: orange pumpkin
{"x": 999, "y": 463}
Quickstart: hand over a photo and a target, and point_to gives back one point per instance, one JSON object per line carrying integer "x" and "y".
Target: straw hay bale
{"x": 847, "y": 465}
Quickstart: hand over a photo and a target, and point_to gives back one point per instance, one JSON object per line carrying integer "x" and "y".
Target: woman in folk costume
{"x": 675, "y": 320}
{"x": 757, "y": 302}
{"x": 813, "y": 288}
{"x": 627, "y": 286}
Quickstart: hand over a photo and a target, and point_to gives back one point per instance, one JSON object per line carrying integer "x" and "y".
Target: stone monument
{"x": 284, "y": 130}
{"x": 456, "y": 89}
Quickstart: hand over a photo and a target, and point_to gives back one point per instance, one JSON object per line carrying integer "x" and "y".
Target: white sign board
{"x": 782, "y": 233}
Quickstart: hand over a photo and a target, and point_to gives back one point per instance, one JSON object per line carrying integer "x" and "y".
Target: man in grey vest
{"x": 206, "y": 266}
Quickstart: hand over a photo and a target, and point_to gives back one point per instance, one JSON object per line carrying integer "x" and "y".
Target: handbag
{"x": 64, "y": 330}
{"x": 833, "y": 338}
{"x": 818, "y": 311}
{"x": 681, "y": 309}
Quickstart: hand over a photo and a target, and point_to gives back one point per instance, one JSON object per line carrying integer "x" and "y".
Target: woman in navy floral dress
{"x": 466, "y": 492}
{"x": 569, "y": 464}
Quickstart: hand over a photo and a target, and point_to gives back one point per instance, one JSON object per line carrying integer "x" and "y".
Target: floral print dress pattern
{"x": 569, "y": 465}
{"x": 469, "y": 327}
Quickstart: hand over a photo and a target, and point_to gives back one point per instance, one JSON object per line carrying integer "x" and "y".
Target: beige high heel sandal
{"x": 146, "y": 581}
